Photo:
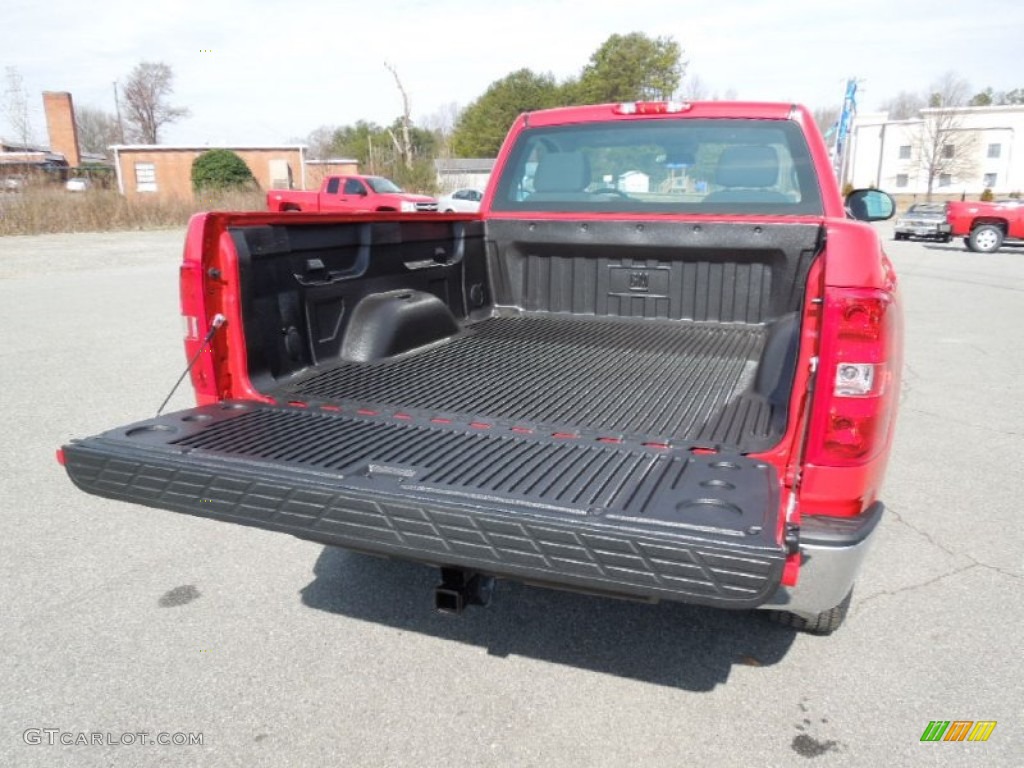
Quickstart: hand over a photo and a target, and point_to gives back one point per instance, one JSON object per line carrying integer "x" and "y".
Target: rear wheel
{"x": 825, "y": 623}
{"x": 985, "y": 239}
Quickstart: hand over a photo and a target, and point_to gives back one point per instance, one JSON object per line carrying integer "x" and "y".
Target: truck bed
{"x": 664, "y": 380}
{"x": 510, "y": 398}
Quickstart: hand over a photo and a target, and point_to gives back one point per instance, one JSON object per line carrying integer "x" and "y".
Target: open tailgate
{"x": 619, "y": 517}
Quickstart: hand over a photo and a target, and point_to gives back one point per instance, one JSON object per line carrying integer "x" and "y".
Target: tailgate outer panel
{"x": 621, "y": 519}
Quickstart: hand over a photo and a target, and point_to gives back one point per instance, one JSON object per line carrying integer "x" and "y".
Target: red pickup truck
{"x": 351, "y": 194}
{"x": 662, "y": 362}
{"x": 986, "y": 226}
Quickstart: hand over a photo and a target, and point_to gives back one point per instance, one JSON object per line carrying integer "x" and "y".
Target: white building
{"x": 459, "y": 172}
{"x": 886, "y": 153}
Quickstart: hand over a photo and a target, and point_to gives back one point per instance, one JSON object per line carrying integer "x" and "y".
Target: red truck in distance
{"x": 986, "y": 226}
{"x": 661, "y": 363}
{"x": 352, "y": 194}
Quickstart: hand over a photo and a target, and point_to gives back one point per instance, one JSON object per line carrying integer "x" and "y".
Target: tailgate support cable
{"x": 218, "y": 321}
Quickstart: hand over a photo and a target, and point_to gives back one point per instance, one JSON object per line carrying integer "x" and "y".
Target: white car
{"x": 77, "y": 184}
{"x": 460, "y": 201}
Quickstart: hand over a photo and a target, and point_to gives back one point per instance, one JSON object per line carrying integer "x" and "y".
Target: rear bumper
{"x": 657, "y": 538}
{"x": 832, "y": 550}
{"x": 923, "y": 230}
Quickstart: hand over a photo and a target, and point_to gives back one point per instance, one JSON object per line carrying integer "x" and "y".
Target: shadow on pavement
{"x": 670, "y": 644}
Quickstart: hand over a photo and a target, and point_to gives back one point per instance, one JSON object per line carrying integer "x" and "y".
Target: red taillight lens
{"x": 194, "y": 321}
{"x": 855, "y": 394}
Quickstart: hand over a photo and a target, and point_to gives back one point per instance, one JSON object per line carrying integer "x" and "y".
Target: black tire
{"x": 967, "y": 243}
{"x": 986, "y": 238}
{"x": 825, "y": 623}
{"x": 897, "y": 236}
{"x": 945, "y": 238}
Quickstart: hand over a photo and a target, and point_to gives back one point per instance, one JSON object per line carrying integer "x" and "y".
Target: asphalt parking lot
{"x": 119, "y": 619}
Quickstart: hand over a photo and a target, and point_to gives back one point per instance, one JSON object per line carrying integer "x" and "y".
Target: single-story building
{"x": 165, "y": 170}
{"x": 19, "y": 159}
{"x": 462, "y": 172}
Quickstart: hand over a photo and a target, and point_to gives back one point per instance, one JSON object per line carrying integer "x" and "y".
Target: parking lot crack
{"x": 862, "y": 604}
{"x": 926, "y": 535}
{"x": 952, "y": 553}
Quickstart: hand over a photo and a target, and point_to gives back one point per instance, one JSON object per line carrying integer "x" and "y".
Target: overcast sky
{"x": 277, "y": 70}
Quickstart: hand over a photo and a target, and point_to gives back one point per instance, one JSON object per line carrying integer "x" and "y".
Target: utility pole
{"x": 840, "y": 153}
{"x": 117, "y": 108}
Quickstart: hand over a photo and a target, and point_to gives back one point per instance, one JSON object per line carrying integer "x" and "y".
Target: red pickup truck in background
{"x": 351, "y": 194}
{"x": 986, "y": 226}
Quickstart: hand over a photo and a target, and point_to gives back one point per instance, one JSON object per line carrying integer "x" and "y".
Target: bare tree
{"x": 904, "y": 105}
{"x": 144, "y": 97}
{"x": 16, "y": 106}
{"x": 442, "y": 123}
{"x": 321, "y": 142}
{"x": 403, "y": 147}
{"x": 694, "y": 89}
{"x": 944, "y": 144}
{"x": 826, "y": 118}
{"x": 97, "y": 130}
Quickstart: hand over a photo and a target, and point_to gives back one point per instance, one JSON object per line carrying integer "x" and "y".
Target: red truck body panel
{"x": 963, "y": 217}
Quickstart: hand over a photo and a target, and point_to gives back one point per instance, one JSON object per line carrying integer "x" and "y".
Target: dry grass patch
{"x": 42, "y": 211}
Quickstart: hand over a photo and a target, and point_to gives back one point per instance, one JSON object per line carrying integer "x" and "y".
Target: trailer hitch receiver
{"x": 460, "y": 588}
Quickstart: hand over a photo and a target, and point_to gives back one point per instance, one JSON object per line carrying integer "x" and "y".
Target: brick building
{"x": 61, "y": 126}
{"x": 165, "y": 171}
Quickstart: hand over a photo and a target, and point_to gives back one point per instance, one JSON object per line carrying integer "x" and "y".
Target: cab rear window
{"x": 662, "y": 166}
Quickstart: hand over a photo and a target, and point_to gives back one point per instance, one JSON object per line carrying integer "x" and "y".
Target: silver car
{"x": 461, "y": 201}
{"x": 927, "y": 220}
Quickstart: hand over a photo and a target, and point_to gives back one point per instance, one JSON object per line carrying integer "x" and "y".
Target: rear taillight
{"x": 856, "y": 390}
{"x": 195, "y": 324}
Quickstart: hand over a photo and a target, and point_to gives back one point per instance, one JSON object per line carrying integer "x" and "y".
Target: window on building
{"x": 145, "y": 177}
{"x": 945, "y": 180}
{"x": 994, "y": 150}
{"x": 902, "y": 180}
{"x": 905, "y": 152}
{"x": 989, "y": 180}
{"x": 948, "y": 151}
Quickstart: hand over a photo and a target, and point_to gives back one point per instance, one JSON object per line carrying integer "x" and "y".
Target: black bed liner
{"x": 672, "y": 380}
{"x": 623, "y": 517}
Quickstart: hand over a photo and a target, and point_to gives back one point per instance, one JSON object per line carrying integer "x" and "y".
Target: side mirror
{"x": 870, "y": 205}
